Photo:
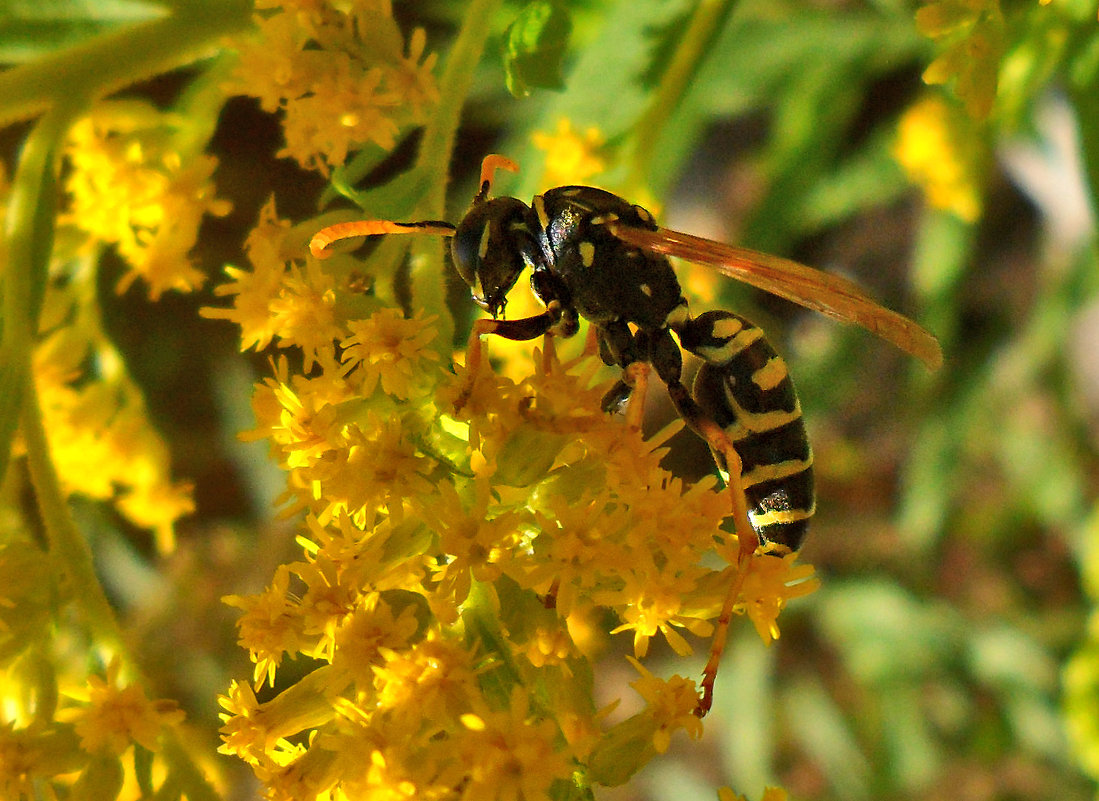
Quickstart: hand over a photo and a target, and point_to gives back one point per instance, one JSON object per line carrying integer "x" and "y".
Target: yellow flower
{"x": 305, "y": 316}
{"x": 101, "y": 440}
{"x": 241, "y": 734}
{"x": 571, "y": 157}
{"x": 672, "y": 704}
{"x": 130, "y": 188}
{"x": 770, "y": 583}
{"x": 972, "y": 32}
{"x": 389, "y": 349}
{"x": 157, "y": 506}
{"x": 341, "y": 74}
{"x": 254, "y": 292}
{"x": 28, "y": 756}
{"x": 941, "y": 153}
{"x": 656, "y": 606}
{"x": 372, "y": 626}
{"x": 377, "y": 466}
{"x": 474, "y": 542}
{"x": 117, "y": 716}
{"x": 432, "y": 681}
{"x": 298, "y": 416}
{"x": 270, "y": 626}
{"x": 513, "y": 755}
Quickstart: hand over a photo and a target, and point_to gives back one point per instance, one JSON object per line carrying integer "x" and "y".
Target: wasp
{"x": 595, "y": 255}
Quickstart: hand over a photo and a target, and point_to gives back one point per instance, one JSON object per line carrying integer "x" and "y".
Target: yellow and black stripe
{"x": 744, "y": 387}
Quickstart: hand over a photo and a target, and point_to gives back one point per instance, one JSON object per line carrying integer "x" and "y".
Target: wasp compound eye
{"x": 491, "y": 247}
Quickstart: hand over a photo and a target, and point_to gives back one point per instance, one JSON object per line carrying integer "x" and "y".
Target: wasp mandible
{"x": 595, "y": 255}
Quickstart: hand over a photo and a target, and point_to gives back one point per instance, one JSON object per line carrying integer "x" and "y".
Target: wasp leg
{"x": 636, "y": 377}
{"x": 719, "y": 442}
{"x": 747, "y": 538}
{"x": 618, "y": 346}
{"x": 721, "y": 635}
{"x": 521, "y": 330}
{"x": 742, "y": 376}
{"x": 666, "y": 358}
{"x": 668, "y": 361}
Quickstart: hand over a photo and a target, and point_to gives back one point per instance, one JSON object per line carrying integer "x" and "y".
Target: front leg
{"x": 522, "y": 330}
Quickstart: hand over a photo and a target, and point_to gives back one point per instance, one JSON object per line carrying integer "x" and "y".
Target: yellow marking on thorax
{"x": 587, "y": 253}
{"x": 539, "y": 204}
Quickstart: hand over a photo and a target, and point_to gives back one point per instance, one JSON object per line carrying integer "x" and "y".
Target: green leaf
{"x": 30, "y": 29}
{"x": 534, "y": 48}
{"x": 392, "y": 200}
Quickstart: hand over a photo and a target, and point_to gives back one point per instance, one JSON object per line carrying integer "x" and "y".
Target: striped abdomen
{"x": 743, "y": 385}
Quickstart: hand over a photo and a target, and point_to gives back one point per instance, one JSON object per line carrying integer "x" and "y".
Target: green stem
{"x": 705, "y": 25}
{"x": 69, "y": 550}
{"x": 30, "y": 221}
{"x": 428, "y": 280}
{"x": 438, "y": 141}
{"x": 73, "y": 557}
{"x": 121, "y": 57}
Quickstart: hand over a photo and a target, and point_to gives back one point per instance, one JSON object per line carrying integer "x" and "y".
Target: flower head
{"x": 130, "y": 188}
{"x": 572, "y": 157}
{"x": 935, "y": 147}
{"x": 341, "y": 74}
{"x": 117, "y": 715}
{"x": 388, "y": 349}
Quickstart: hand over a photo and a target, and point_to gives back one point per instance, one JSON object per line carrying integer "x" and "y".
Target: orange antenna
{"x": 489, "y": 166}
{"x": 320, "y": 242}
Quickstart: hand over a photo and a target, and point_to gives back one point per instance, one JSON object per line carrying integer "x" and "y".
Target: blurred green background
{"x": 947, "y": 654}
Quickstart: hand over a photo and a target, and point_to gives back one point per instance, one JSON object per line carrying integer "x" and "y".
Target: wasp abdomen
{"x": 744, "y": 386}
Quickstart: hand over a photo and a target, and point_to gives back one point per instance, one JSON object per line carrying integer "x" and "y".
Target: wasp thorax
{"x": 491, "y": 247}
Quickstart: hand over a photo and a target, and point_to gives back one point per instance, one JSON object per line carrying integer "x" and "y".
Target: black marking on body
{"x": 744, "y": 387}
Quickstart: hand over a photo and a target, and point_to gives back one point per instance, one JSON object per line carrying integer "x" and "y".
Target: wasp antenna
{"x": 320, "y": 242}
{"x": 492, "y": 163}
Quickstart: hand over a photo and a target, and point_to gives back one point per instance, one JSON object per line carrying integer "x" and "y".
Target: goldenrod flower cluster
{"x": 131, "y": 187}
{"x": 935, "y": 146}
{"x": 470, "y": 543}
{"x": 462, "y": 534}
{"x": 341, "y": 75}
{"x": 83, "y": 749}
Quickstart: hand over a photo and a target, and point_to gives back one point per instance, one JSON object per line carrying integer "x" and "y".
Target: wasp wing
{"x": 824, "y": 292}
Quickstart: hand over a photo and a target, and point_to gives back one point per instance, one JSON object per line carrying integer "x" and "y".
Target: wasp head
{"x": 491, "y": 247}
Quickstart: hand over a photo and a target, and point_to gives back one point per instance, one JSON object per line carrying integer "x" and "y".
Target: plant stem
{"x": 29, "y": 234}
{"x": 706, "y": 23}
{"x": 428, "y": 280}
{"x": 121, "y": 57}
